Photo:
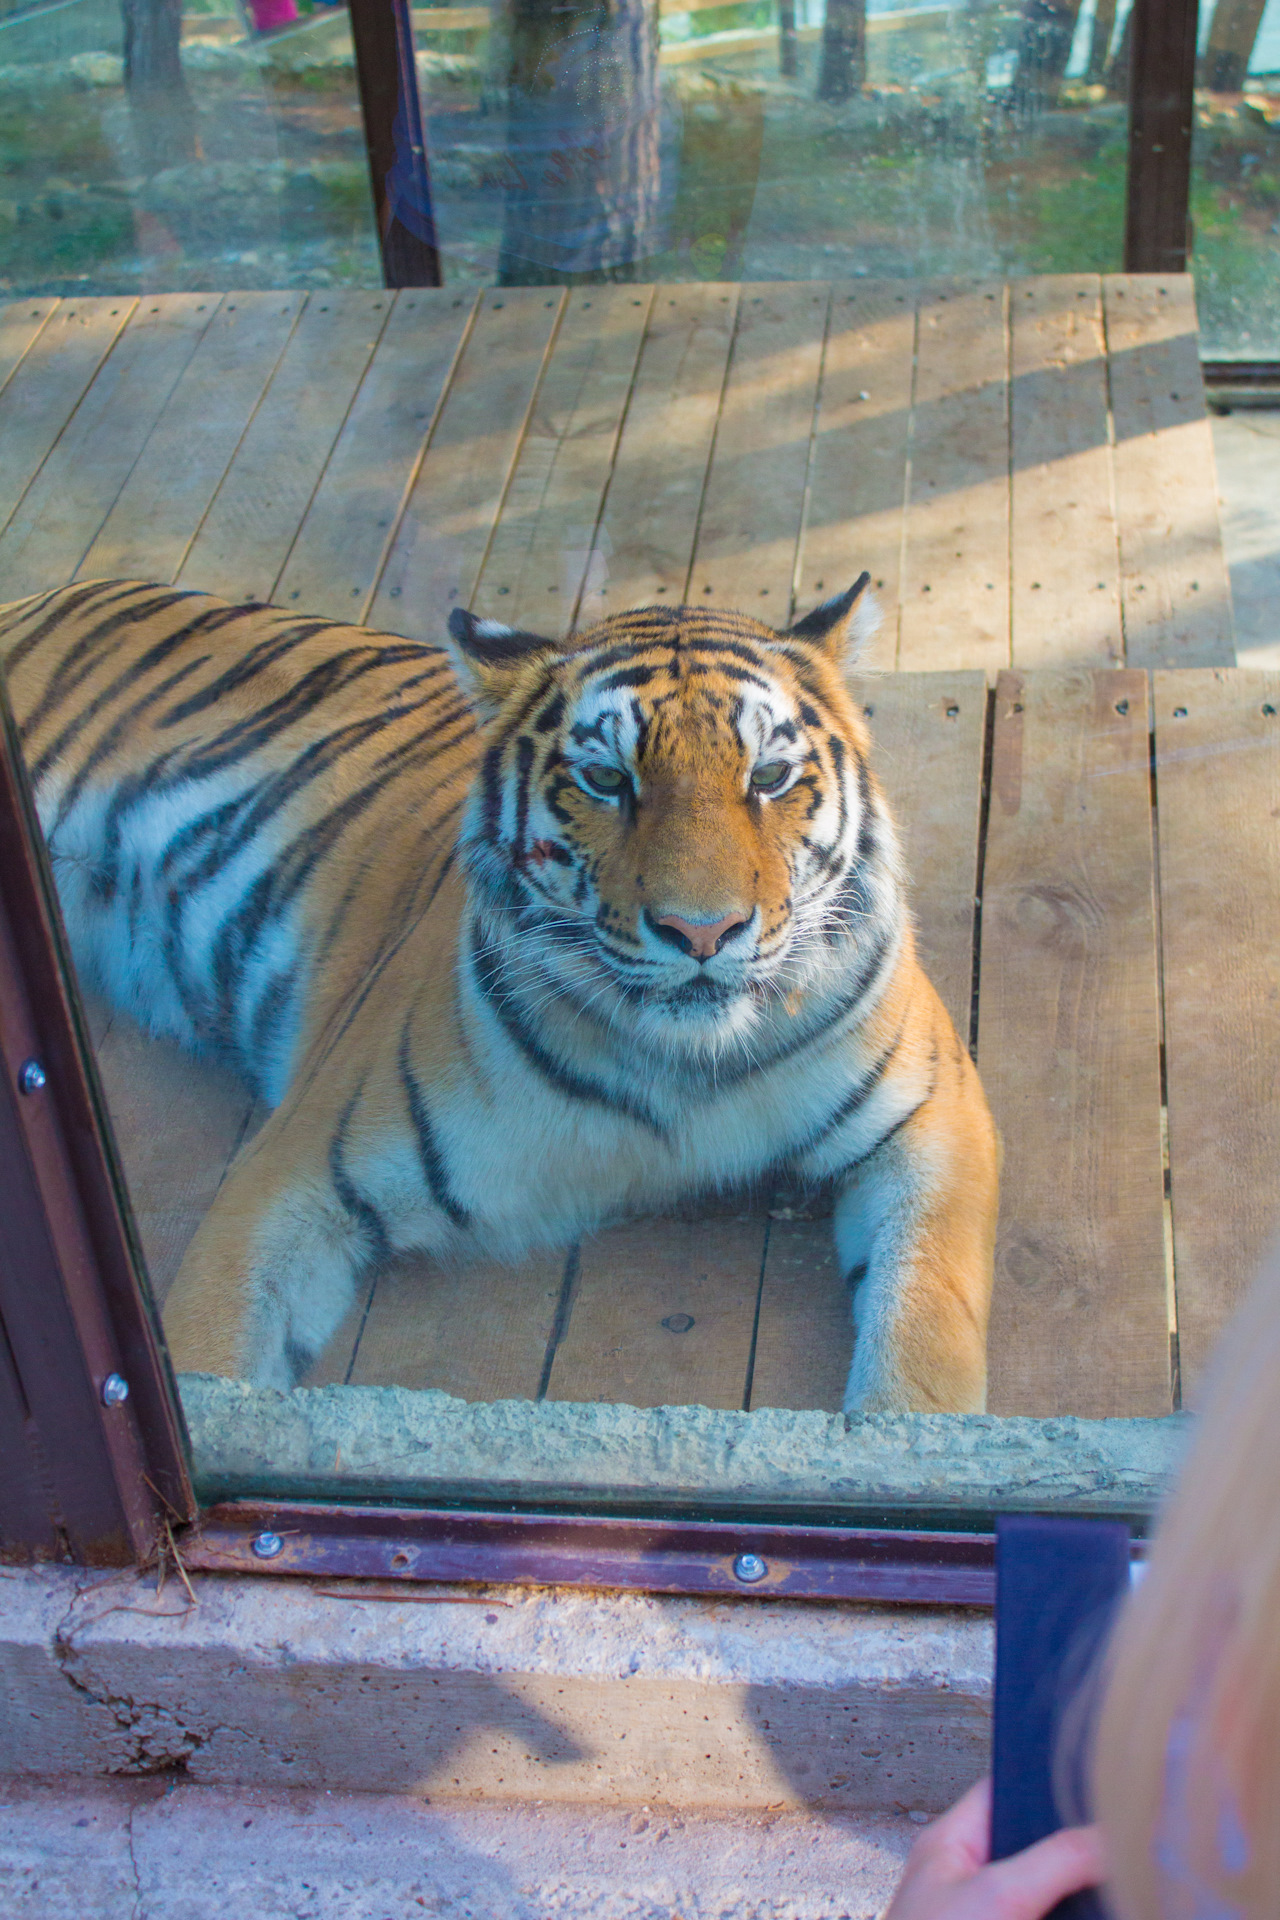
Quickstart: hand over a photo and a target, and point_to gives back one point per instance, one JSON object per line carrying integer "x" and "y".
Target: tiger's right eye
{"x": 602, "y": 778}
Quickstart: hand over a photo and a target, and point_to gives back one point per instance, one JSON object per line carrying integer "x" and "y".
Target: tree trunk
{"x": 787, "y": 62}
{"x": 1044, "y": 47}
{"x": 842, "y": 71}
{"x": 1230, "y": 49}
{"x": 1104, "y": 24}
{"x": 164, "y": 121}
{"x": 583, "y": 172}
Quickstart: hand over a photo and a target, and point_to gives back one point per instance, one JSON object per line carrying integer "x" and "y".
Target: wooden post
{"x": 843, "y": 70}
{"x": 1161, "y": 112}
{"x": 787, "y": 64}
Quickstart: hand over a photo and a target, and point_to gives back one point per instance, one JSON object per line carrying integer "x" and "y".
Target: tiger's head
{"x": 676, "y": 805}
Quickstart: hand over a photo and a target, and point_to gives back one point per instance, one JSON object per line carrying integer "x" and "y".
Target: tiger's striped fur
{"x": 514, "y": 942}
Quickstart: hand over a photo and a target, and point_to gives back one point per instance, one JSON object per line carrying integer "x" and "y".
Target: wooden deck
{"x": 1027, "y": 472}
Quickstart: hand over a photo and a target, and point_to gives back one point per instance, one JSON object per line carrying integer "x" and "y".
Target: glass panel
{"x": 234, "y": 154}
{"x": 525, "y": 1079}
{"x": 1235, "y": 202}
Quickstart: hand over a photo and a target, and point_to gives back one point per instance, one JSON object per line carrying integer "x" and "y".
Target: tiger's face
{"x": 679, "y": 806}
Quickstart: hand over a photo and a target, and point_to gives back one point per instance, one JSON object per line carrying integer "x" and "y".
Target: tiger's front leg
{"x": 917, "y": 1222}
{"x": 277, "y": 1261}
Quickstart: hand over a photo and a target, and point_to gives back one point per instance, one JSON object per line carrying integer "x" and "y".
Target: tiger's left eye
{"x": 602, "y": 778}
{"x": 769, "y": 776}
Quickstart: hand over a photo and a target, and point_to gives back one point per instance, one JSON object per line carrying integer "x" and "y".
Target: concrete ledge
{"x": 513, "y": 1695}
{"x": 391, "y": 1442}
{"x": 153, "y": 1850}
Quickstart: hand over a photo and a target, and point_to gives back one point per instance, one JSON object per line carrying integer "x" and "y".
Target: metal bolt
{"x": 115, "y": 1390}
{"x": 267, "y": 1545}
{"x": 31, "y": 1077}
{"x": 750, "y": 1568}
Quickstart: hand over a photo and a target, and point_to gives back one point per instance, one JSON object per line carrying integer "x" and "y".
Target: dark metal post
{"x": 93, "y": 1454}
{"x": 1162, "y": 71}
{"x": 396, "y": 141}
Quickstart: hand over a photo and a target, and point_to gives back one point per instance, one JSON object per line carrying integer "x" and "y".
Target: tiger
{"x": 515, "y": 937}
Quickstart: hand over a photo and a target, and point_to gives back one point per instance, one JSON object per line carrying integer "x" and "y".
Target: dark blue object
{"x": 1058, "y": 1584}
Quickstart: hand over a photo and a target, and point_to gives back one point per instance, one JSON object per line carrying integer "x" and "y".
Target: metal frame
{"x": 714, "y": 1557}
{"x": 92, "y": 1436}
{"x": 382, "y": 31}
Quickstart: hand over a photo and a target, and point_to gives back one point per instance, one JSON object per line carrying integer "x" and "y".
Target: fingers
{"x": 1030, "y": 1883}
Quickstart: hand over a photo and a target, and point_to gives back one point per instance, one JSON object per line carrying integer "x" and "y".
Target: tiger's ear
{"x": 488, "y": 657}
{"x": 841, "y": 627}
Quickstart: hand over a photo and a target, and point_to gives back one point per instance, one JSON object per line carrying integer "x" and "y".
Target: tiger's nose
{"x": 702, "y": 941}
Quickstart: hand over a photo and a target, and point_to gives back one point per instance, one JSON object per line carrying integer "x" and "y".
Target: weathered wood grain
{"x": 637, "y": 1287}
{"x": 160, "y": 508}
{"x": 1176, "y": 596}
{"x": 858, "y": 470}
{"x": 347, "y": 533}
{"x": 20, "y": 324}
{"x": 536, "y": 565}
{"x": 70, "y": 497}
{"x": 644, "y": 543}
{"x": 749, "y": 532}
{"x": 1069, "y": 1049}
{"x": 1218, "y": 781}
{"x": 44, "y": 391}
{"x": 1064, "y": 561}
{"x": 440, "y": 546}
{"x": 955, "y": 575}
{"x": 256, "y": 512}
{"x": 478, "y": 1332}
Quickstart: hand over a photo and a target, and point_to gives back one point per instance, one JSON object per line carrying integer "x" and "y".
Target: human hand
{"x": 949, "y": 1874}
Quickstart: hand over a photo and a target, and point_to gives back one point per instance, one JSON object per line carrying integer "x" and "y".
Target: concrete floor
{"x": 1247, "y": 449}
{"x": 156, "y": 1849}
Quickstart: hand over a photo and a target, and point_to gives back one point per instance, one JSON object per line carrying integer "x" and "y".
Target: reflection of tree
{"x": 842, "y": 68}
{"x": 1048, "y": 28}
{"x": 582, "y": 170}
{"x": 1104, "y": 24}
{"x": 1230, "y": 48}
{"x": 161, "y": 109}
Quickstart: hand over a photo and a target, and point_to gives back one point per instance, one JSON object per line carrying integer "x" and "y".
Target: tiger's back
{"x": 242, "y": 807}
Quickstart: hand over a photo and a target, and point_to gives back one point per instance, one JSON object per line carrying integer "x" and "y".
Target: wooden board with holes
{"x": 955, "y": 573}
{"x": 1177, "y": 600}
{"x": 245, "y": 540}
{"x": 1069, "y": 1049}
{"x": 444, "y": 533}
{"x": 350, "y": 524}
{"x": 1064, "y": 565}
{"x": 1217, "y": 738}
{"x": 160, "y": 508}
{"x": 858, "y": 466}
{"x": 644, "y": 543}
{"x": 662, "y": 1312}
{"x": 749, "y": 530}
{"x": 929, "y": 738}
{"x": 537, "y": 561}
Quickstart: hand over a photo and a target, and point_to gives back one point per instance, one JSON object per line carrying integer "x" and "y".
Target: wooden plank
{"x": 638, "y": 1286}
{"x": 479, "y": 1332}
{"x": 177, "y": 1123}
{"x": 45, "y": 389}
{"x": 749, "y": 532}
{"x": 858, "y": 470}
{"x": 1218, "y": 783}
{"x": 929, "y": 733}
{"x": 955, "y": 579}
{"x": 537, "y": 561}
{"x": 1069, "y": 1050}
{"x": 67, "y": 502}
{"x": 20, "y": 324}
{"x": 439, "y": 549}
{"x": 1064, "y": 560}
{"x": 1176, "y": 595}
{"x": 347, "y": 533}
{"x": 245, "y": 539}
{"x": 162, "y": 504}
{"x": 644, "y": 544}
